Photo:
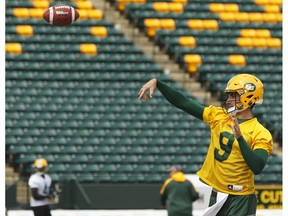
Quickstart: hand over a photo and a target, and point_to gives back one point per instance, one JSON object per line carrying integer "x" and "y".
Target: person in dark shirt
{"x": 178, "y": 193}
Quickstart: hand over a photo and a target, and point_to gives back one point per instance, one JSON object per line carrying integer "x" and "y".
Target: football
{"x": 60, "y": 15}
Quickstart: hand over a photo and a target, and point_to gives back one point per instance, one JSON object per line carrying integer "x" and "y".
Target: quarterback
{"x": 239, "y": 144}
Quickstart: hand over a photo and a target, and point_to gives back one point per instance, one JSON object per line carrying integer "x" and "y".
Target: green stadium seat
{"x": 79, "y": 158}
{"x": 125, "y": 168}
{"x": 98, "y": 158}
{"x": 17, "y": 149}
{"x": 62, "y": 158}
{"x": 103, "y": 177}
{"x": 53, "y": 149}
{"x": 85, "y": 177}
{"x": 154, "y": 178}
{"x": 115, "y": 159}
{"x": 74, "y": 168}
{"x": 269, "y": 179}
{"x": 109, "y": 168}
{"x": 159, "y": 169}
{"x": 57, "y": 168}
{"x": 68, "y": 176}
{"x": 54, "y": 176}
{"x": 274, "y": 159}
{"x": 277, "y": 168}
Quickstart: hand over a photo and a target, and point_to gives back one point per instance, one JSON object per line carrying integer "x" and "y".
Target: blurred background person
{"x": 178, "y": 193}
{"x": 40, "y": 184}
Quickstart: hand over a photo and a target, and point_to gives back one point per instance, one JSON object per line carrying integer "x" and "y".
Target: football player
{"x": 40, "y": 185}
{"x": 239, "y": 145}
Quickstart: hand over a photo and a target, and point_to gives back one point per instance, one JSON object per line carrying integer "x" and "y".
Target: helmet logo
{"x": 250, "y": 87}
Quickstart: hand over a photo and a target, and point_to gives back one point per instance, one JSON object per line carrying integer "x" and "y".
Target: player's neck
{"x": 246, "y": 114}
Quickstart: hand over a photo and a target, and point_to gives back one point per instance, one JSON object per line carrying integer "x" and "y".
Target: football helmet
{"x": 41, "y": 164}
{"x": 250, "y": 90}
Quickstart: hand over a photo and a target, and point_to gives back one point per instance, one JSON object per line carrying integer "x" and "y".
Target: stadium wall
{"x": 135, "y": 196}
{"x": 110, "y": 196}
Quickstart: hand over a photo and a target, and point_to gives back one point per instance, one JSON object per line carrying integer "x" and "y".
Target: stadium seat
{"x": 85, "y": 177}
{"x": 119, "y": 177}
{"x": 74, "y": 168}
{"x": 57, "y": 168}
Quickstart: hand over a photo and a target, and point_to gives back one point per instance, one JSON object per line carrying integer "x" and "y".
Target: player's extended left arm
{"x": 180, "y": 101}
{"x": 256, "y": 159}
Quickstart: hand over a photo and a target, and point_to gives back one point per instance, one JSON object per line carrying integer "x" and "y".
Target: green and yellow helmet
{"x": 249, "y": 88}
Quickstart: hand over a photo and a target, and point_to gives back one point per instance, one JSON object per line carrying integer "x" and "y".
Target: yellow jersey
{"x": 224, "y": 168}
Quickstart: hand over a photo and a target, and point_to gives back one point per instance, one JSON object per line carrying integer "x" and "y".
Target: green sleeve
{"x": 163, "y": 198}
{"x": 256, "y": 159}
{"x": 180, "y": 101}
{"x": 194, "y": 193}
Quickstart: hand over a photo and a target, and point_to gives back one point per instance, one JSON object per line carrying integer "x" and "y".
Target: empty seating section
{"x": 71, "y": 97}
{"x": 71, "y": 93}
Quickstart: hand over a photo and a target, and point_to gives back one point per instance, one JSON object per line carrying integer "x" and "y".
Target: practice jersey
{"x": 43, "y": 184}
{"x": 224, "y": 168}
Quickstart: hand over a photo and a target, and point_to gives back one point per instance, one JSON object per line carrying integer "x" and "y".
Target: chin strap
{"x": 232, "y": 111}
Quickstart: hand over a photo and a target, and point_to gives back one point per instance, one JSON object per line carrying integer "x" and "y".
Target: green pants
{"x": 236, "y": 205}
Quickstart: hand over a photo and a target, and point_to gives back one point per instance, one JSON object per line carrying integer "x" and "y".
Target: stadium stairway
{"x": 10, "y": 175}
{"x": 159, "y": 56}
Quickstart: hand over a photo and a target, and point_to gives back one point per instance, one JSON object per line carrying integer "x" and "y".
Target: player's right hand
{"x": 151, "y": 85}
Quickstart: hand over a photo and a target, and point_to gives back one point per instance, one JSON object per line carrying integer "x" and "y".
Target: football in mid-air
{"x": 61, "y": 15}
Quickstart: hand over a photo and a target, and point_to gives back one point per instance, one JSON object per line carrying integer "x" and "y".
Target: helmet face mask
{"x": 232, "y": 104}
{"x": 250, "y": 90}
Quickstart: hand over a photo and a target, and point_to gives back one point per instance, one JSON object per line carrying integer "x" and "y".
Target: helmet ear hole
{"x": 249, "y": 96}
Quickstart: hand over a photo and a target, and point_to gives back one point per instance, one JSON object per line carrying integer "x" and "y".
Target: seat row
{"x": 181, "y": 7}
{"x": 77, "y": 57}
{"x": 42, "y": 23}
{"x": 81, "y": 66}
{"x": 272, "y": 174}
{"x": 85, "y": 48}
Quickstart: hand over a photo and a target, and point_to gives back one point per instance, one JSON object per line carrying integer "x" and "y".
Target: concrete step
{"x": 10, "y": 175}
{"x": 22, "y": 192}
